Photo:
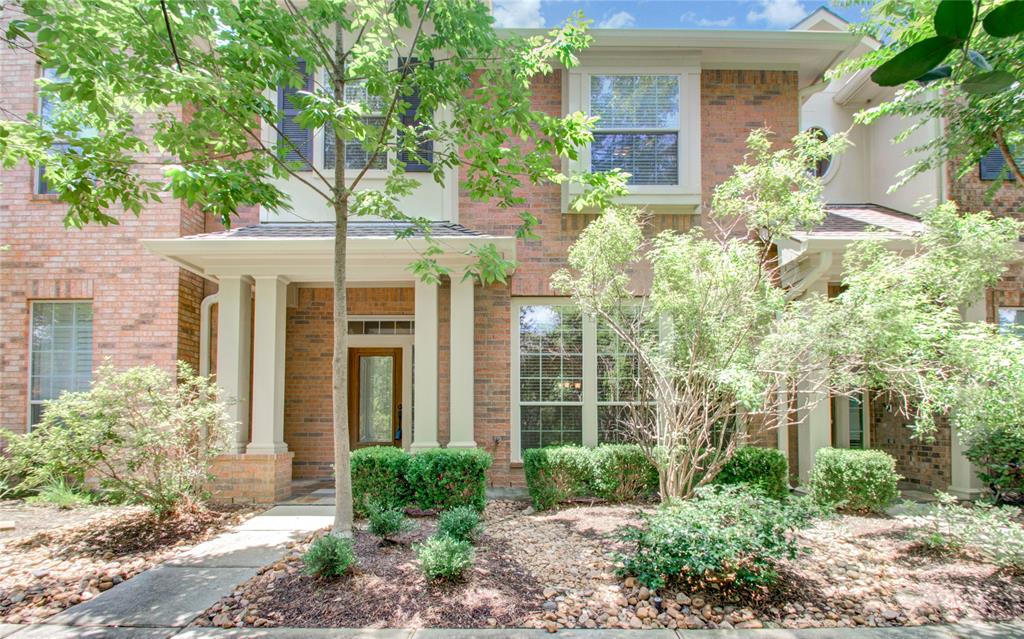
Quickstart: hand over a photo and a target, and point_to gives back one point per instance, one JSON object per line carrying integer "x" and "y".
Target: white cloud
{"x": 518, "y": 13}
{"x": 778, "y": 13}
{"x": 620, "y": 20}
{"x": 692, "y": 18}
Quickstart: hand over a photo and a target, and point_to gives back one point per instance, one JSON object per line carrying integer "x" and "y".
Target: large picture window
{"x": 574, "y": 378}
{"x": 638, "y": 129}
{"x": 60, "y": 353}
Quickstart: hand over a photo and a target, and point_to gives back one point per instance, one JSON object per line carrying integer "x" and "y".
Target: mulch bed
{"x": 57, "y": 566}
{"x": 557, "y": 569}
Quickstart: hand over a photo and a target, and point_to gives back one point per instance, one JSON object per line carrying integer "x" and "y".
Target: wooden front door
{"x": 374, "y": 397}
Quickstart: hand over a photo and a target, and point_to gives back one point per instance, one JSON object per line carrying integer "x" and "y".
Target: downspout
{"x": 204, "y": 333}
{"x": 824, "y": 262}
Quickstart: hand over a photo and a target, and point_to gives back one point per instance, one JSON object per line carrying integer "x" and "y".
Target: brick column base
{"x": 252, "y": 478}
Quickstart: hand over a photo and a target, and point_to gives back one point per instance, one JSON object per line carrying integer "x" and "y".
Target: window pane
{"x": 550, "y": 426}
{"x": 635, "y": 101}
{"x": 376, "y": 397}
{"x": 1011, "y": 320}
{"x": 61, "y": 355}
{"x": 356, "y": 156}
{"x": 551, "y": 372}
{"x": 650, "y": 158}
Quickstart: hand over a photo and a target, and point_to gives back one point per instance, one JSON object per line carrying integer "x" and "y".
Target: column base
{"x": 252, "y": 478}
{"x": 271, "y": 449}
{"x": 418, "y": 446}
{"x": 966, "y": 494}
{"x": 469, "y": 444}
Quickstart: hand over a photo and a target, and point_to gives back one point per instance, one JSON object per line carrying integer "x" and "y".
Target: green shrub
{"x": 998, "y": 454}
{"x": 764, "y": 469}
{"x": 63, "y": 495}
{"x": 148, "y": 436}
{"x": 622, "y": 472}
{"x": 462, "y": 522}
{"x": 853, "y": 479}
{"x": 556, "y": 473}
{"x": 329, "y": 557}
{"x": 387, "y": 522}
{"x": 444, "y": 558}
{"x": 379, "y": 477}
{"x": 443, "y": 478}
{"x": 725, "y": 535}
{"x": 989, "y": 533}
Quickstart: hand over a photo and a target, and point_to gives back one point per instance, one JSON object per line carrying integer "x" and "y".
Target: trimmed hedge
{"x": 379, "y": 478}
{"x": 445, "y": 478}
{"x": 853, "y": 479}
{"x": 615, "y": 472}
{"x": 763, "y": 469}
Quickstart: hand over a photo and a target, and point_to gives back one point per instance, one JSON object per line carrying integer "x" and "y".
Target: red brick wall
{"x": 925, "y": 462}
{"x": 138, "y": 298}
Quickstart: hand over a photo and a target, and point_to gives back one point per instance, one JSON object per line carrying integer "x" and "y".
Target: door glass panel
{"x": 376, "y": 397}
{"x": 856, "y": 421}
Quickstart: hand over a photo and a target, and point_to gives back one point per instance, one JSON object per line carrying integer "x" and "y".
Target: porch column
{"x": 815, "y": 428}
{"x": 461, "y": 373}
{"x": 425, "y": 373}
{"x": 234, "y": 318}
{"x": 964, "y": 482}
{"x": 268, "y": 366}
{"x": 842, "y": 416}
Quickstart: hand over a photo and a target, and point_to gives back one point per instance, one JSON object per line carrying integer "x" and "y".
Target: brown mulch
{"x": 557, "y": 569}
{"x": 45, "y": 571}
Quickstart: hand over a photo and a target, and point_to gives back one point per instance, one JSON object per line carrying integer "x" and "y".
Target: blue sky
{"x": 666, "y": 14}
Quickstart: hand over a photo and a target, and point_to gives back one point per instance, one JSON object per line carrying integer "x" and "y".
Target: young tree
{"x": 956, "y": 61}
{"x": 731, "y": 340}
{"x": 117, "y": 63}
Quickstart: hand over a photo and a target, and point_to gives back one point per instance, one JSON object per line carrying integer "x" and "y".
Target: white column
{"x": 460, "y": 367}
{"x": 813, "y": 410}
{"x": 234, "y": 325}
{"x": 842, "y": 416}
{"x": 964, "y": 481}
{"x": 268, "y": 366}
{"x": 782, "y": 422}
{"x": 425, "y": 372}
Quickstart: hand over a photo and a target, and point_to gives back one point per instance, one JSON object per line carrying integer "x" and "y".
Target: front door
{"x": 374, "y": 397}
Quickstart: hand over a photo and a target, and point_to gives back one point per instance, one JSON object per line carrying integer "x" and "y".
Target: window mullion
{"x": 590, "y": 381}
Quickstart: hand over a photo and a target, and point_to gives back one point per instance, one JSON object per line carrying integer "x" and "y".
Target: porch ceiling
{"x": 305, "y": 252}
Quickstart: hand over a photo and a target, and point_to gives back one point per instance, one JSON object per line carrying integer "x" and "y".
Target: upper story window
{"x": 356, "y": 155}
{"x": 60, "y": 353}
{"x": 48, "y": 109}
{"x": 993, "y": 165}
{"x": 639, "y": 125}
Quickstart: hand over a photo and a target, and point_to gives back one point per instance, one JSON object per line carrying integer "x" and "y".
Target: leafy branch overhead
{"x": 956, "y": 25}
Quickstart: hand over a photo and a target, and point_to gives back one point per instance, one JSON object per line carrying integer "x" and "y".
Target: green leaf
{"x": 988, "y": 83}
{"x": 978, "y": 60}
{"x": 938, "y": 73}
{"x": 1006, "y": 20}
{"x": 914, "y": 62}
{"x": 954, "y": 19}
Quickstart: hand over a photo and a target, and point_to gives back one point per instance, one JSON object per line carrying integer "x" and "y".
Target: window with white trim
{"x": 574, "y": 379}
{"x": 638, "y": 129}
{"x": 356, "y": 156}
{"x": 1011, "y": 320}
{"x": 60, "y": 352}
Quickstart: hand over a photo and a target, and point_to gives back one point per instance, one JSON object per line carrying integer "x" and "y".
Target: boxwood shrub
{"x": 616, "y": 472}
{"x": 998, "y": 454}
{"x": 444, "y": 478}
{"x": 853, "y": 479}
{"x": 379, "y": 478}
{"x": 764, "y": 469}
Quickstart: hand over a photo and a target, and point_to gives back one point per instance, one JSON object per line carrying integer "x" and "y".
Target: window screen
{"x": 61, "y": 352}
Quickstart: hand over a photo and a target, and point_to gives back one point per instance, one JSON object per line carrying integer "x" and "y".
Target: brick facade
{"x": 923, "y": 462}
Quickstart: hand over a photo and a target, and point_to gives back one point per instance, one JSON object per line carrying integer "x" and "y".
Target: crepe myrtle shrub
{"x": 764, "y": 469}
{"x": 855, "y": 480}
{"x": 723, "y": 536}
{"x": 444, "y": 478}
{"x": 379, "y": 477}
{"x": 146, "y": 435}
{"x": 555, "y": 474}
{"x": 997, "y": 453}
{"x": 444, "y": 558}
{"x": 329, "y": 557}
{"x": 461, "y": 522}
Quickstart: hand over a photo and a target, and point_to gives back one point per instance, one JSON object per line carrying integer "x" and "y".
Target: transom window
{"x": 638, "y": 129}
{"x": 574, "y": 378}
{"x": 60, "y": 353}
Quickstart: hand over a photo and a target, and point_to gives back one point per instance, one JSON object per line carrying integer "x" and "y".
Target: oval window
{"x": 821, "y": 168}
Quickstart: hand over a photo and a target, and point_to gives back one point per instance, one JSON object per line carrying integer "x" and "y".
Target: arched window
{"x": 821, "y": 168}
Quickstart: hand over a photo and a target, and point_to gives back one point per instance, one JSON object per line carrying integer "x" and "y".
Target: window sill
{"x": 45, "y": 197}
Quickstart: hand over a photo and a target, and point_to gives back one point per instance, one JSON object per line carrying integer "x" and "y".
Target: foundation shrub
{"x": 764, "y": 469}
{"x": 444, "y": 558}
{"x": 386, "y": 522}
{"x": 622, "y": 472}
{"x": 998, "y": 454}
{"x": 379, "y": 478}
{"x": 445, "y": 478}
{"x": 724, "y": 536}
{"x": 614, "y": 472}
{"x": 855, "y": 480}
{"x": 462, "y": 522}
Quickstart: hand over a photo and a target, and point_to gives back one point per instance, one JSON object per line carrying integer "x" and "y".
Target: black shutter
{"x": 300, "y": 139}
{"x": 411, "y": 117}
{"x": 993, "y": 164}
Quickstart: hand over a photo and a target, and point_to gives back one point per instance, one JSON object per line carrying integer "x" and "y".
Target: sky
{"x": 666, "y": 14}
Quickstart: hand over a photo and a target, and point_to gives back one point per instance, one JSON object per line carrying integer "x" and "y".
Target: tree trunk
{"x": 339, "y": 363}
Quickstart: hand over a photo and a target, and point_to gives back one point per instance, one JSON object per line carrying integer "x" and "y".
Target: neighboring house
{"x": 455, "y": 364}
